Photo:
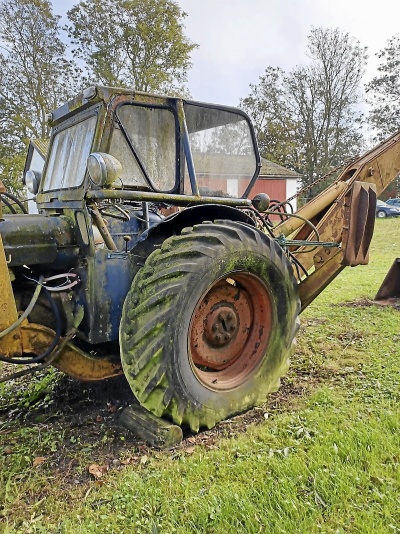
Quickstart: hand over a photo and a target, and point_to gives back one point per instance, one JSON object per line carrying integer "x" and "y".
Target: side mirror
{"x": 32, "y": 181}
{"x": 103, "y": 169}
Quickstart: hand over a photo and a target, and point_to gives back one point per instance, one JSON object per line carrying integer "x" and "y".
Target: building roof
{"x": 269, "y": 170}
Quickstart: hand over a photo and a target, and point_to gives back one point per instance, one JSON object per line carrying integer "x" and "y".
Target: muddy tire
{"x": 209, "y": 324}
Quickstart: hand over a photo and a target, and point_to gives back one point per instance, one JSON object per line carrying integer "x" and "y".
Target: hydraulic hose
{"x": 8, "y": 205}
{"x": 17, "y": 201}
{"x": 53, "y": 344}
{"x": 26, "y": 312}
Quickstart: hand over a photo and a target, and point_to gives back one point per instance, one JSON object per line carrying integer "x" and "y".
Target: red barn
{"x": 278, "y": 182}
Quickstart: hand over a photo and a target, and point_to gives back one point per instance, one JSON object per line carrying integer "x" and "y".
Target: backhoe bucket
{"x": 390, "y": 287}
{"x": 359, "y": 221}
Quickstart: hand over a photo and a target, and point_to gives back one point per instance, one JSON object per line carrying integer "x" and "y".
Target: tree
{"x": 35, "y": 78}
{"x": 307, "y": 119}
{"x": 136, "y": 43}
{"x": 275, "y": 127}
{"x": 383, "y": 92}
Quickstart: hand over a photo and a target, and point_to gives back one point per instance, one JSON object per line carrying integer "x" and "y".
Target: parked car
{"x": 393, "y": 202}
{"x": 385, "y": 210}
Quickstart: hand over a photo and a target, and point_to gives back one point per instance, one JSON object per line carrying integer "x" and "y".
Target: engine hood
{"x": 37, "y": 239}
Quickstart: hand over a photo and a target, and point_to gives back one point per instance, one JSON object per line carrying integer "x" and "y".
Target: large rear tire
{"x": 209, "y": 324}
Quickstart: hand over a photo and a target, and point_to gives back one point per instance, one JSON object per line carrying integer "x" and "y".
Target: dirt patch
{"x": 392, "y": 302}
{"x": 83, "y": 420}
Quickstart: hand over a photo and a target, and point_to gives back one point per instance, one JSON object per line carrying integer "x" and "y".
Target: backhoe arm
{"x": 344, "y": 214}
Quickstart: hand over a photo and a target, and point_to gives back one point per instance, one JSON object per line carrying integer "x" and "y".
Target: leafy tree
{"x": 136, "y": 43}
{"x": 307, "y": 119}
{"x": 35, "y": 78}
{"x": 275, "y": 127}
{"x": 384, "y": 90}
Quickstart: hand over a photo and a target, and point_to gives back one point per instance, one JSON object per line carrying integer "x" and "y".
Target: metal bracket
{"x": 283, "y": 242}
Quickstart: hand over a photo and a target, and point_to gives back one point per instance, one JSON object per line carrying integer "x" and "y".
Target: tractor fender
{"x": 174, "y": 224}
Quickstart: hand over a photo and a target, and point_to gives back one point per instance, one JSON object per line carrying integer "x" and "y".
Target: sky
{"x": 239, "y": 39}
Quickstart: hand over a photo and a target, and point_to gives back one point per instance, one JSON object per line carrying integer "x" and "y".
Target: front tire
{"x": 209, "y": 324}
{"x": 381, "y": 214}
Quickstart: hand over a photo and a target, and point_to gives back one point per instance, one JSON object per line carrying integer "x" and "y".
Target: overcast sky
{"x": 238, "y": 39}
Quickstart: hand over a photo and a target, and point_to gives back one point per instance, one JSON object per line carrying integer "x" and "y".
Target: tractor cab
{"x": 123, "y": 141}
{"x": 118, "y": 161}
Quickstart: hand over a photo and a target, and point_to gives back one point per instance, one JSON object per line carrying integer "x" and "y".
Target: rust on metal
{"x": 72, "y": 361}
{"x": 390, "y": 287}
{"x": 314, "y": 284}
{"x": 230, "y": 331}
{"x": 358, "y": 224}
{"x": 220, "y": 326}
{"x": 102, "y": 228}
{"x": 311, "y": 209}
{"x": 378, "y": 168}
{"x": 351, "y": 221}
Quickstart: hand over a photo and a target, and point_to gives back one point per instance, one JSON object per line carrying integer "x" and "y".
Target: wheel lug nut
{"x": 217, "y": 337}
{"x": 215, "y": 327}
{"x": 227, "y": 336}
{"x": 229, "y": 316}
{"x": 220, "y": 317}
{"x": 232, "y": 327}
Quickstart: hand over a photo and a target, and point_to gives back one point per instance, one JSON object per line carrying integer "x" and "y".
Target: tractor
{"x": 147, "y": 258}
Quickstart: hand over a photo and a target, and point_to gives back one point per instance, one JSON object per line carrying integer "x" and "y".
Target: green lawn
{"x": 322, "y": 456}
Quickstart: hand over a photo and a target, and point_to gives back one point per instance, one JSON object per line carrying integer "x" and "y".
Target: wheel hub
{"x": 221, "y": 326}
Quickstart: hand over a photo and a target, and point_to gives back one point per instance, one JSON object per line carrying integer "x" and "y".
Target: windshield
{"x": 223, "y": 151}
{"x": 145, "y": 145}
{"x": 68, "y": 155}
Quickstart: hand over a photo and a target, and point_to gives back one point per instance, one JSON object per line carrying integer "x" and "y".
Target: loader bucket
{"x": 390, "y": 287}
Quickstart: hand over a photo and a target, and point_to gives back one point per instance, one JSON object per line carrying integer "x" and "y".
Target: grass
{"x": 321, "y": 456}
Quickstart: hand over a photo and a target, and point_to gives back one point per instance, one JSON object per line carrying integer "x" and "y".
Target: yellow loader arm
{"x": 344, "y": 214}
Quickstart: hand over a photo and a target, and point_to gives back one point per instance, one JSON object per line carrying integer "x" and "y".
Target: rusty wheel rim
{"x": 230, "y": 330}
